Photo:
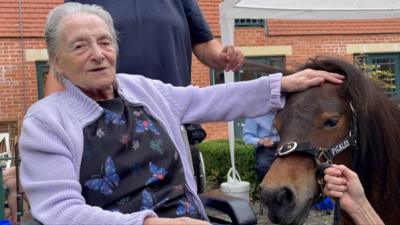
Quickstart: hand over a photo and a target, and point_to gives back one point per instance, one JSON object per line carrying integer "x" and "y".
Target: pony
{"x": 322, "y": 117}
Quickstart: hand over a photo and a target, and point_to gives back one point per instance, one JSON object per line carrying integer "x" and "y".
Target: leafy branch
{"x": 384, "y": 78}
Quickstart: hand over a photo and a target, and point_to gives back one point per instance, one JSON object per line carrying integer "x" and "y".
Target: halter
{"x": 324, "y": 156}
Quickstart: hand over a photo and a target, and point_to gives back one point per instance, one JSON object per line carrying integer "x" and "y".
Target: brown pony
{"x": 321, "y": 117}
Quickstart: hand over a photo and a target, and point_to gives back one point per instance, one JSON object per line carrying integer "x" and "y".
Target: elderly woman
{"x": 108, "y": 149}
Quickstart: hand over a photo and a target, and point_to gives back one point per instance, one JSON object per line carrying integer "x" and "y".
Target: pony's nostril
{"x": 277, "y": 198}
{"x": 284, "y": 196}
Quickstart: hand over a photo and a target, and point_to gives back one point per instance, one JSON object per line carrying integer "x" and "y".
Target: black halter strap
{"x": 319, "y": 154}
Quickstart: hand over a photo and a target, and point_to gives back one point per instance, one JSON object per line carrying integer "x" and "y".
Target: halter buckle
{"x": 287, "y": 148}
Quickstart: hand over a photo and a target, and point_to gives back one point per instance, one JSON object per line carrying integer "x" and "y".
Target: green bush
{"x": 381, "y": 76}
{"x": 217, "y": 162}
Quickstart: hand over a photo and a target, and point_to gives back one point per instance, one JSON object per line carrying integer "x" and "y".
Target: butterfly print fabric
{"x": 129, "y": 164}
{"x": 105, "y": 183}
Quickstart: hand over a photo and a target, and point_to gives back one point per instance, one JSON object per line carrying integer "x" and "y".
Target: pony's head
{"x": 323, "y": 118}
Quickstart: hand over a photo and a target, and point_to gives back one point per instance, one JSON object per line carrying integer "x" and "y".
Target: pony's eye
{"x": 331, "y": 122}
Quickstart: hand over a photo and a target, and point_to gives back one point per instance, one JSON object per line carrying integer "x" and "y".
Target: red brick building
{"x": 280, "y": 42}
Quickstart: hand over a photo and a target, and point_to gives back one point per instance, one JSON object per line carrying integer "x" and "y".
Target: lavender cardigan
{"x": 51, "y": 142}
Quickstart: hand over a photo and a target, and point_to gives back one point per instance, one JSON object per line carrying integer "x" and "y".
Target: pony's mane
{"x": 377, "y": 163}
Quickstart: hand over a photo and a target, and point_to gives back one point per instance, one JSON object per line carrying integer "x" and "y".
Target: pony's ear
{"x": 278, "y": 122}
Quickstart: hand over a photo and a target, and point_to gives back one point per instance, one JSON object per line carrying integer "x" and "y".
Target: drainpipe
{"x": 21, "y": 43}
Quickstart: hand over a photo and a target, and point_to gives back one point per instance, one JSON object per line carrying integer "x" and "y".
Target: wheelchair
{"x": 237, "y": 209}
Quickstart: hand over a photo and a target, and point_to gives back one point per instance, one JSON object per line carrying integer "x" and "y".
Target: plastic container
{"x": 236, "y": 188}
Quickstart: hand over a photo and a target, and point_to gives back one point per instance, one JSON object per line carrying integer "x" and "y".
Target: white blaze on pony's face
{"x": 319, "y": 117}
{"x": 85, "y": 54}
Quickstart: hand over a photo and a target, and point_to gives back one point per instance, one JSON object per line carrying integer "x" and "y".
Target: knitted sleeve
{"x": 49, "y": 178}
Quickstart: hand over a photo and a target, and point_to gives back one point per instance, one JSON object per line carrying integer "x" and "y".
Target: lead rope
{"x": 336, "y": 214}
{"x": 320, "y": 179}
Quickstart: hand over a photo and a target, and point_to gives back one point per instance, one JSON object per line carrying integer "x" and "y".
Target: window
{"x": 387, "y": 62}
{"x": 248, "y": 72}
{"x": 42, "y": 70}
{"x": 249, "y": 23}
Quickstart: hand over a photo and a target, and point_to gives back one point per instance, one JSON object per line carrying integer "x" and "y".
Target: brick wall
{"x": 18, "y": 85}
{"x": 17, "y": 82}
{"x": 305, "y": 47}
{"x": 210, "y": 11}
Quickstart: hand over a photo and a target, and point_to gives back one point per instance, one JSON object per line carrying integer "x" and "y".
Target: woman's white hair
{"x": 55, "y": 18}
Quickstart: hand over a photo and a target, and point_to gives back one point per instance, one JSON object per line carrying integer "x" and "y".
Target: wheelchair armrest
{"x": 238, "y": 209}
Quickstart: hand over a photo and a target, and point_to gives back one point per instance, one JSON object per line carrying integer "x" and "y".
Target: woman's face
{"x": 85, "y": 53}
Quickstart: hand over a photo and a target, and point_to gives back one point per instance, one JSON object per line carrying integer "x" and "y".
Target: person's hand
{"x": 231, "y": 58}
{"x": 343, "y": 183}
{"x": 307, "y": 78}
{"x": 174, "y": 221}
{"x": 267, "y": 142}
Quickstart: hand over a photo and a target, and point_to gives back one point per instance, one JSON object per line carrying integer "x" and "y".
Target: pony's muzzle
{"x": 279, "y": 201}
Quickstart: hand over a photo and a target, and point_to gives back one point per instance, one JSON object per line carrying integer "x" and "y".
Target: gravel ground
{"x": 315, "y": 218}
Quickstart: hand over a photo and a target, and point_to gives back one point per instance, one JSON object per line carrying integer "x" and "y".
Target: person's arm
{"x": 212, "y": 54}
{"x": 343, "y": 183}
{"x": 244, "y": 99}
{"x": 48, "y": 176}
{"x": 52, "y": 85}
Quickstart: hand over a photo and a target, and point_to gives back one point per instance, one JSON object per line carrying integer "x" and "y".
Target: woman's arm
{"x": 343, "y": 183}
{"x": 244, "y": 99}
{"x": 49, "y": 177}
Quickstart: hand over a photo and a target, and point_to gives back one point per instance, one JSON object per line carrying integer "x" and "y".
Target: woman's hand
{"x": 343, "y": 183}
{"x": 307, "y": 78}
{"x": 174, "y": 221}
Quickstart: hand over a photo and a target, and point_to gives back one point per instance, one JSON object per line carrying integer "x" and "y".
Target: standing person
{"x": 157, "y": 38}
{"x": 108, "y": 149}
{"x": 261, "y": 133}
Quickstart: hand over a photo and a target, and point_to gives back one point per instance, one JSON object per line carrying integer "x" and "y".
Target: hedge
{"x": 217, "y": 162}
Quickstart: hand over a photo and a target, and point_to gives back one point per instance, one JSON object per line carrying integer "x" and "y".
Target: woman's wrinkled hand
{"x": 307, "y": 78}
{"x": 344, "y": 184}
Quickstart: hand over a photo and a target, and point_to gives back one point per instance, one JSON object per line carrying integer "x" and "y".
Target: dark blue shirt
{"x": 156, "y": 36}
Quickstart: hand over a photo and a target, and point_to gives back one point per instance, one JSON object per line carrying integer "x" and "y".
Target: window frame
{"x": 42, "y": 70}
